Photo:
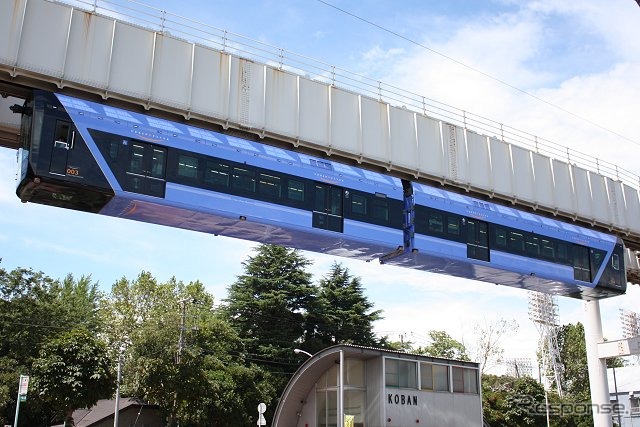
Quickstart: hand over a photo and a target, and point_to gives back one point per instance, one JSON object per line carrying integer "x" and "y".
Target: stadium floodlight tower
{"x": 630, "y": 323}
{"x": 543, "y": 311}
{"x": 519, "y": 367}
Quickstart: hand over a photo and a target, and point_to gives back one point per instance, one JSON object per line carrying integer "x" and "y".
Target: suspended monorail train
{"x": 87, "y": 156}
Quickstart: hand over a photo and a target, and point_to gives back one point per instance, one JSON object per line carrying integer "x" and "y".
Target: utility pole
{"x": 183, "y": 328}
{"x": 116, "y": 414}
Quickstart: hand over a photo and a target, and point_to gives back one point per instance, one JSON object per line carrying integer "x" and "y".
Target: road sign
{"x": 24, "y": 385}
{"x": 261, "y": 420}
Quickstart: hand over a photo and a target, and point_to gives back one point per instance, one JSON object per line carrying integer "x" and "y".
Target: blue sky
{"x": 581, "y": 56}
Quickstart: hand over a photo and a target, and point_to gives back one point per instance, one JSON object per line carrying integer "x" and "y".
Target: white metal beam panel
{"x": 501, "y": 168}
{"x": 11, "y": 15}
{"x": 455, "y": 153}
{"x": 374, "y": 122}
{"x": 403, "y": 145}
{"x": 543, "y": 180}
{"x": 523, "y": 174}
{"x": 210, "y": 85}
{"x": 600, "y": 199}
{"x": 43, "y": 43}
{"x": 345, "y": 121}
{"x": 430, "y": 150}
{"x": 172, "y": 70}
{"x": 616, "y": 202}
{"x": 89, "y": 51}
{"x": 131, "y": 62}
{"x": 314, "y": 110}
{"x": 281, "y": 103}
{"x": 246, "y": 95}
{"x": 584, "y": 207}
{"x": 632, "y": 204}
{"x": 564, "y": 194}
{"x": 479, "y": 161}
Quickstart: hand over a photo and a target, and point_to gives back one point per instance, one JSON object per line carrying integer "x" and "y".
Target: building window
{"x": 634, "y": 406}
{"x": 327, "y": 408}
{"x": 401, "y": 373}
{"x": 471, "y": 381}
{"x": 440, "y": 377}
{"x": 426, "y": 376}
{"x": 465, "y": 380}
{"x": 457, "y": 375}
{"x": 354, "y": 407}
{"x": 354, "y": 373}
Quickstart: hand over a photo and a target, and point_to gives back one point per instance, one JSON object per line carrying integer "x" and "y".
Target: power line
{"x": 483, "y": 73}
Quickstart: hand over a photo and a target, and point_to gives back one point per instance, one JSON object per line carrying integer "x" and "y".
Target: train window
{"x": 243, "y": 179}
{"x": 380, "y": 209}
{"x": 516, "y": 241}
{"x": 137, "y": 157}
{"x": 295, "y": 190}
{"x": 501, "y": 237}
{"x": 217, "y": 174}
{"x": 546, "y": 249}
{"x": 114, "y": 147}
{"x": 358, "y": 204}
{"x": 532, "y": 246}
{"x": 157, "y": 163}
{"x": 269, "y": 185}
{"x": 62, "y": 131}
{"x": 615, "y": 262}
{"x": 453, "y": 225}
{"x": 335, "y": 200}
{"x": 436, "y": 224}
{"x": 563, "y": 253}
{"x": 597, "y": 257}
{"x": 187, "y": 166}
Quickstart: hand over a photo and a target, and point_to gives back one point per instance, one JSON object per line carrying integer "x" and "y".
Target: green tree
{"x": 268, "y": 306}
{"x": 72, "y": 371}
{"x": 344, "y": 313}
{"x": 509, "y": 401}
{"x": 210, "y": 383}
{"x": 33, "y": 309}
{"x": 442, "y": 345}
{"x": 573, "y": 355}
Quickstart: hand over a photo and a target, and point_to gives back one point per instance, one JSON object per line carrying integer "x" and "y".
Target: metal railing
{"x": 193, "y": 31}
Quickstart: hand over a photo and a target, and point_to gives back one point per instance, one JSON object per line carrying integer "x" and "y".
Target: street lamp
{"x": 298, "y": 351}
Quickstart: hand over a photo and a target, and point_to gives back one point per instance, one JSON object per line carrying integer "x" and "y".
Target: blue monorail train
{"x": 87, "y": 156}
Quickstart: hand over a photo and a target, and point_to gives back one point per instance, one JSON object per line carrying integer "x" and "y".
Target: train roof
{"x": 182, "y": 136}
{"x": 504, "y": 214}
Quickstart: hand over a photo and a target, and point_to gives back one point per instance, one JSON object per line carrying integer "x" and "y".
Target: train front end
{"x": 56, "y": 167}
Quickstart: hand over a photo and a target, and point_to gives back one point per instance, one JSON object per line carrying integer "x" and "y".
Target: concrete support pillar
{"x": 597, "y": 367}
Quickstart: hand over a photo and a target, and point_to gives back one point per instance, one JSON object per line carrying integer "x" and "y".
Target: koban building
{"x": 352, "y": 386}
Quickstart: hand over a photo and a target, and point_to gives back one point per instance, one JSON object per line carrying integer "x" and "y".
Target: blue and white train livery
{"x": 88, "y": 156}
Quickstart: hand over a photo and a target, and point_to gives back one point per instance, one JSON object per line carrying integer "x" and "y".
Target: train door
{"x": 581, "y": 266}
{"x": 64, "y": 139}
{"x": 477, "y": 240}
{"x": 327, "y": 209}
{"x": 145, "y": 169}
